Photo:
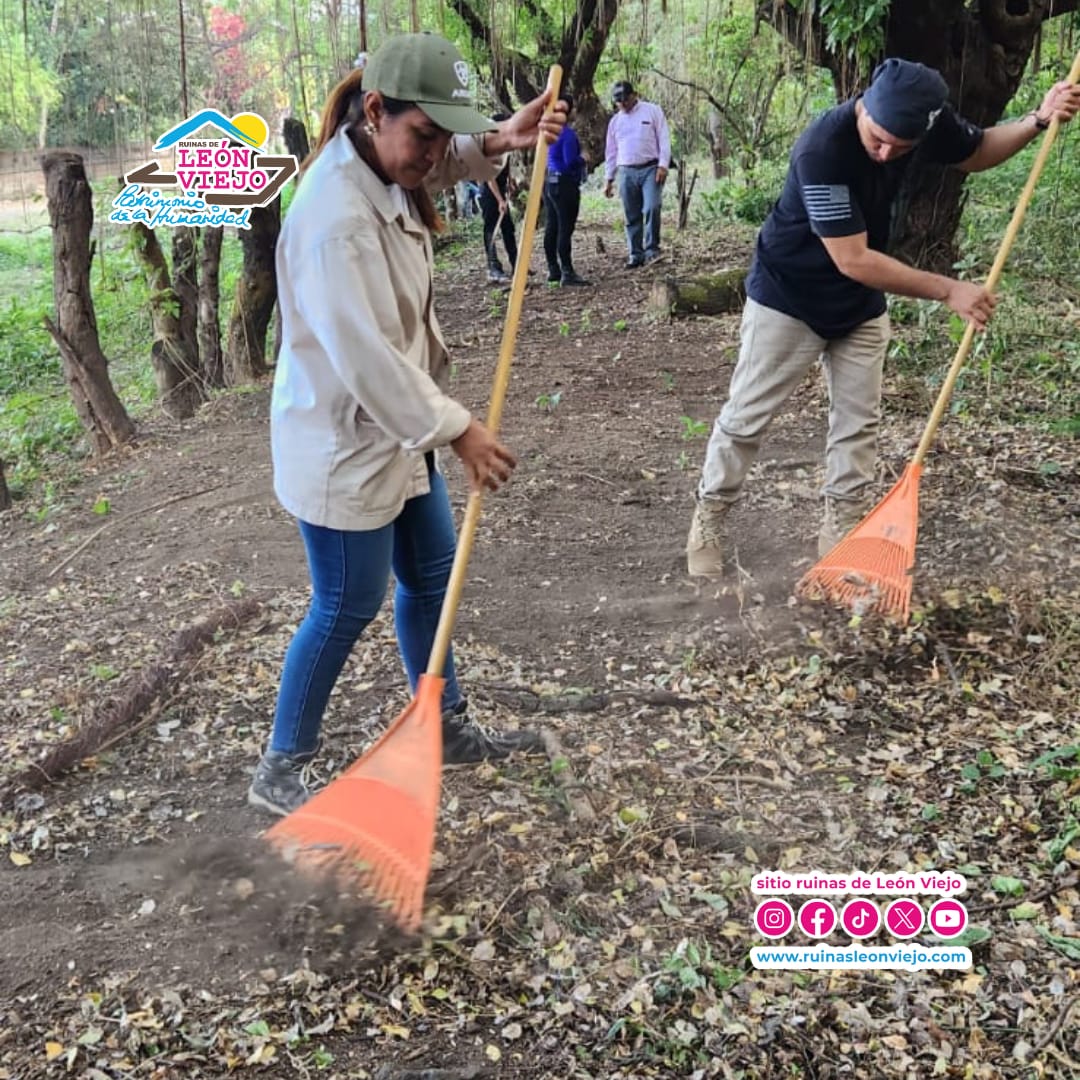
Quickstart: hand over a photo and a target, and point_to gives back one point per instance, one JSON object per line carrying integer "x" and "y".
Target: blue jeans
{"x": 641, "y": 195}
{"x": 349, "y": 575}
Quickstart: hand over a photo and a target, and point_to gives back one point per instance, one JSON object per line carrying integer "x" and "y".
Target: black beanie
{"x": 905, "y": 98}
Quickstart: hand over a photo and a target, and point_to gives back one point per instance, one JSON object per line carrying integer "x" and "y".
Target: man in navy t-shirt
{"x": 816, "y": 287}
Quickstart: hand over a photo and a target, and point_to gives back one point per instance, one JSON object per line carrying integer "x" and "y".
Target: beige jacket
{"x": 358, "y": 392}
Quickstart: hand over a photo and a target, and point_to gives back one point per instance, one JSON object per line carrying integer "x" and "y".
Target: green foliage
{"x": 27, "y": 355}
{"x": 761, "y": 93}
{"x": 690, "y": 967}
{"x": 853, "y": 28}
{"x": 1046, "y": 243}
{"x": 1025, "y": 368}
{"x": 25, "y": 88}
{"x": 1060, "y": 764}
{"x": 38, "y": 423}
{"x": 984, "y": 768}
{"x": 32, "y": 424}
{"x": 731, "y": 200}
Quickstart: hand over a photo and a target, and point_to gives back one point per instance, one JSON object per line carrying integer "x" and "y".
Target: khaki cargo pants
{"x": 775, "y": 355}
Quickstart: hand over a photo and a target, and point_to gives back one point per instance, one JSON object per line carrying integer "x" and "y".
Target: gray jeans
{"x": 641, "y": 197}
{"x": 775, "y": 355}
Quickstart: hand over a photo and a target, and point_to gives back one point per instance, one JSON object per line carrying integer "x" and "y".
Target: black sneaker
{"x": 573, "y": 278}
{"x": 465, "y": 742}
{"x": 279, "y": 785}
{"x": 633, "y": 264}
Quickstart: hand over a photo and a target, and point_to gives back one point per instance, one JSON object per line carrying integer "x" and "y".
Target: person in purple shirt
{"x": 566, "y": 172}
{"x": 639, "y": 149}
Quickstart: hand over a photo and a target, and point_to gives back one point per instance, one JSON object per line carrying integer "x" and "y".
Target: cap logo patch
{"x": 461, "y": 70}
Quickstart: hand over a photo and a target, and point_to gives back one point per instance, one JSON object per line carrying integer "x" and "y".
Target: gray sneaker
{"x": 279, "y": 785}
{"x": 465, "y": 741}
{"x": 704, "y": 545}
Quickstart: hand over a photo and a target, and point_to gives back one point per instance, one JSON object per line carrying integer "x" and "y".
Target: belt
{"x": 643, "y": 164}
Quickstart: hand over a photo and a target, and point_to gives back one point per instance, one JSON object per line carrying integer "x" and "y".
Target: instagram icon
{"x": 774, "y": 918}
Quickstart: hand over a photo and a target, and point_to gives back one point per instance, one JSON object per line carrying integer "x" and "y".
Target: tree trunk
{"x": 718, "y": 145}
{"x": 983, "y": 55}
{"x": 213, "y": 366}
{"x": 71, "y": 214}
{"x": 256, "y": 291}
{"x": 981, "y": 49}
{"x": 577, "y": 45}
{"x": 186, "y": 287}
{"x": 296, "y": 138}
{"x": 685, "y": 191}
{"x": 711, "y": 294}
{"x": 5, "y": 494}
{"x": 296, "y": 142}
{"x": 176, "y": 364}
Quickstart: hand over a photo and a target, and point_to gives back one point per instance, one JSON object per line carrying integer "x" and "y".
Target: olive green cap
{"x": 427, "y": 70}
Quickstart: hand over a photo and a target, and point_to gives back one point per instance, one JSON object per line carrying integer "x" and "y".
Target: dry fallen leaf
{"x": 484, "y": 951}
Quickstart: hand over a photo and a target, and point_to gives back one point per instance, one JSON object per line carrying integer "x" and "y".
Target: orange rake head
{"x": 870, "y": 569}
{"x": 374, "y": 826}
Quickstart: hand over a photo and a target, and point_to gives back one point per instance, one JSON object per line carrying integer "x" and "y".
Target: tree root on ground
{"x": 119, "y": 717}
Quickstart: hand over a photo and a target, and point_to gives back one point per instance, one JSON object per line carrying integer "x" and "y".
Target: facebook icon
{"x": 817, "y": 918}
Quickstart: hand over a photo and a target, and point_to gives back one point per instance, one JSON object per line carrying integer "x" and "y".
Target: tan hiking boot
{"x": 704, "y": 545}
{"x": 841, "y": 516}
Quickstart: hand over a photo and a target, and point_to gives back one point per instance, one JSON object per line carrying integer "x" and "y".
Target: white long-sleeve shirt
{"x": 358, "y": 392}
{"x": 637, "y": 137}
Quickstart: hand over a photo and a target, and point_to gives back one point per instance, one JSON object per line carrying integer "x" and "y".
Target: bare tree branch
{"x": 736, "y": 124}
{"x": 1060, "y": 7}
{"x": 509, "y": 68}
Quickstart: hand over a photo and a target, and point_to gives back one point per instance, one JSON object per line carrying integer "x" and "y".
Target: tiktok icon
{"x": 860, "y": 918}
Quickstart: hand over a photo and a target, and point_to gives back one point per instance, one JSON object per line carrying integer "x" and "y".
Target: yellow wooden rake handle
{"x": 456, "y": 584}
{"x": 992, "y": 278}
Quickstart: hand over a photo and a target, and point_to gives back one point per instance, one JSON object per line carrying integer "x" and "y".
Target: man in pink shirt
{"x": 639, "y": 149}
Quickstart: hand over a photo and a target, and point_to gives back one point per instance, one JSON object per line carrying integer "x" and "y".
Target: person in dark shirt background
{"x": 495, "y": 198}
{"x": 817, "y": 285}
{"x": 566, "y": 172}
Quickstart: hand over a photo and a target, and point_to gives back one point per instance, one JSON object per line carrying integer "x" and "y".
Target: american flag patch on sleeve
{"x": 827, "y": 202}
